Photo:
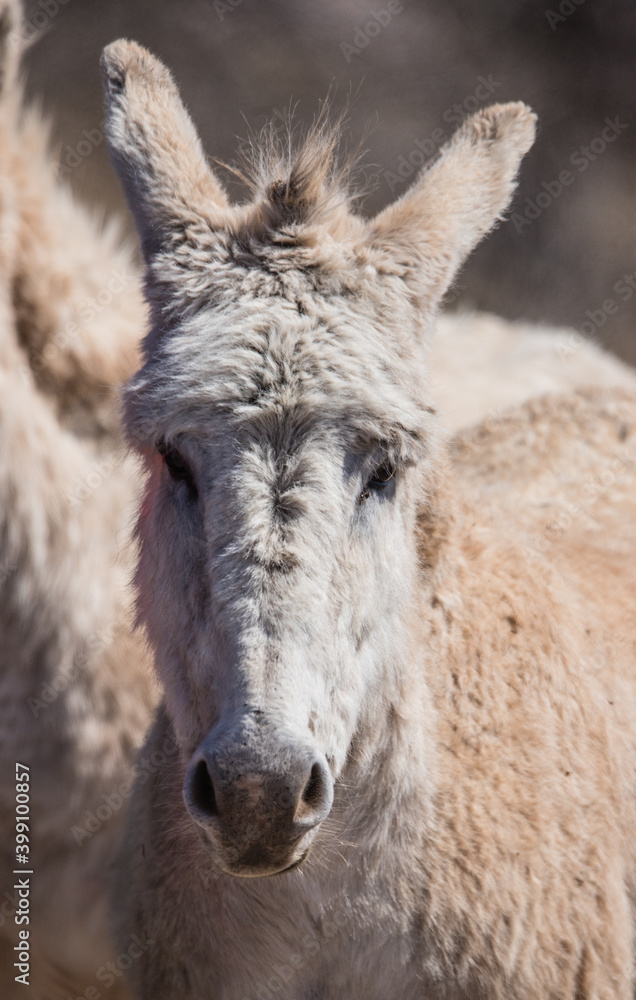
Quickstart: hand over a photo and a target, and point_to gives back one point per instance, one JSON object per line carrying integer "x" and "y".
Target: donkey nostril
{"x": 312, "y": 792}
{"x": 202, "y": 790}
{"x": 315, "y": 799}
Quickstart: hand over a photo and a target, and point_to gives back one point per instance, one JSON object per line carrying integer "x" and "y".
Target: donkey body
{"x": 76, "y": 694}
{"x": 482, "y": 364}
{"x": 399, "y": 678}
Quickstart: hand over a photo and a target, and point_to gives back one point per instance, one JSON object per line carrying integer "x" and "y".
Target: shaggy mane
{"x": 298, "y": 174}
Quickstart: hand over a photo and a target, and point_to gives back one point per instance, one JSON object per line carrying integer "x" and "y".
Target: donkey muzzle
{"x": 258, "y": 805}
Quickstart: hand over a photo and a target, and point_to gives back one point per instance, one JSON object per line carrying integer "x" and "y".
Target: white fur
{"x": 438, "y": 644}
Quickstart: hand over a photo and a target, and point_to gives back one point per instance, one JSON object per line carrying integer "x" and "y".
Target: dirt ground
{"x": 413, "y": 68}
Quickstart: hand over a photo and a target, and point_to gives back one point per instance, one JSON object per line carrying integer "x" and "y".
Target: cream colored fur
{"x": 75, "y": 692}
{"x": 67, "y": 491}
{"x": 482, "y": 364}
{"x": 459, "y": 648}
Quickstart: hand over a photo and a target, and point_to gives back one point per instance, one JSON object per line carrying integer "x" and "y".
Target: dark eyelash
{"x": 380, "y": 479}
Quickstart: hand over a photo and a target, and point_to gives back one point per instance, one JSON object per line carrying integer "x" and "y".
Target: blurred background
{"x": 566, "y": 253}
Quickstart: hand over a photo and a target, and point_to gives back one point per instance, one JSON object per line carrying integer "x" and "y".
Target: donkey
{"x": 400, "y": 690}
{"x": 76, "y": 693}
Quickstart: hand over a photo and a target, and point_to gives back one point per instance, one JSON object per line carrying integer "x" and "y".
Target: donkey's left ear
{"x": 429, "y": 231}
{"x": 156, "y": 149}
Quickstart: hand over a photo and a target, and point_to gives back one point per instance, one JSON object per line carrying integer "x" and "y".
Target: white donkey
{"x": 401, "y": 681}
{"x": 74, "y": 694}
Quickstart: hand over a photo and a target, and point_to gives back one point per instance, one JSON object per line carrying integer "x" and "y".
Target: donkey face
{"x": 283, "y": 412}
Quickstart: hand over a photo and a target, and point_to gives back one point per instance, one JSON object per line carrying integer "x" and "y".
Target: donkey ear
{"x": 12, "y": 43}
{"x": 155, "y": 148}
{"x": 431, "y": 229}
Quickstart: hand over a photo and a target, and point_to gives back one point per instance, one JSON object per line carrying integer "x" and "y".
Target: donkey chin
{"x": 256, "y": 858}
{"x": 258, "y": 812}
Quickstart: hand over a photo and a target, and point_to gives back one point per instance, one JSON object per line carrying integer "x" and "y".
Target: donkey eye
{"x": 383, "y": 476}
{"x": 178, "y": 467}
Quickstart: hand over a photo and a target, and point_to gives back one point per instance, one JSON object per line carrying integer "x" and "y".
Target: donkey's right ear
{"x": 156, "y": 149}
{"x": 12, "y": 43}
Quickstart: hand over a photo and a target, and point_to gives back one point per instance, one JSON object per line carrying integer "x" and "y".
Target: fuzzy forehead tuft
{"x": 297, "y": 235}
{"x": 300, "y": 176}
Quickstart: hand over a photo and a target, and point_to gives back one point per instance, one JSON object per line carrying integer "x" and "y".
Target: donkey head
{"x": 283, "y": 412}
